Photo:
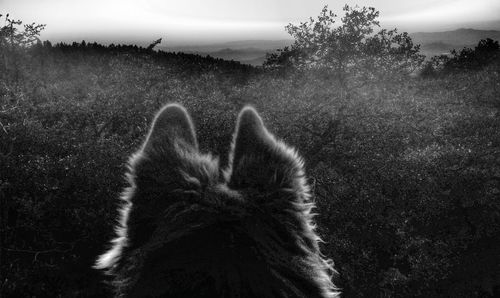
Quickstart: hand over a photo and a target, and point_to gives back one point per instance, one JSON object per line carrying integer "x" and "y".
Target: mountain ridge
{"x": 254, "y": 51}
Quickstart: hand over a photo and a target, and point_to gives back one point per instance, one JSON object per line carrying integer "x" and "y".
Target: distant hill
{"x": 250, "y": 56}
{"x": 435, "y": 43}
{"x": 455, "y": 37}
{"x": 234, "y": 45}
{"x": 253, "y": 52}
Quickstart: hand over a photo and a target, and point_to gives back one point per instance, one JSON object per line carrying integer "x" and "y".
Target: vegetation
{"x": 405, "y": 169}
{"x": 350, "y": 54}
{"x": 485, "y": 53}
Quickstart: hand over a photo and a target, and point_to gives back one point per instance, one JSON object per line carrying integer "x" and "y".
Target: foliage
{"x": 406, "y": 173}
{"x": 485, "y": 53}
{"x": 349, "y": 53}
{"x": 12, "y": 36}
{"x": 13, "y": 45}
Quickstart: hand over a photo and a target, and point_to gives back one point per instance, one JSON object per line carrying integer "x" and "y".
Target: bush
{"x": 486, "y": 52}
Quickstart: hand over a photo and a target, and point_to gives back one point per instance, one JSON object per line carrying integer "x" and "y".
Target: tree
{"x": 349, "y": 53}
{"x": 11, "y": 35}
{"x": 154, "y": 44}
{"x": 12, "y": 43}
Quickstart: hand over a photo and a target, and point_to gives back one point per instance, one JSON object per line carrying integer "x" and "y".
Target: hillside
{"x": 405, "y": 173}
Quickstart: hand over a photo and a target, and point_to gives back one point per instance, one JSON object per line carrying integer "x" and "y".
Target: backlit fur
{"x": 190, "y": 229}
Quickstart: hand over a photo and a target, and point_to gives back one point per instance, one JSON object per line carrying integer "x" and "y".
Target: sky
{"x": 207, "y": 21}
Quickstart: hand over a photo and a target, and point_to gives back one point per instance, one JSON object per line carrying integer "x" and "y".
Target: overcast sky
{"x": 202, "y": 21}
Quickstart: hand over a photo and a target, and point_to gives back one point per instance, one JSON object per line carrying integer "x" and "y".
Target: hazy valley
{"x": 253, "y": 52}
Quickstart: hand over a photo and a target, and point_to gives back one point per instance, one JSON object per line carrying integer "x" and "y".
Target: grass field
{"x": 406, "y": 173}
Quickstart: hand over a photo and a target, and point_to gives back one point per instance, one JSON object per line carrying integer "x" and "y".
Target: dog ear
{"x": 259, "y": 161}
{"x": 170, "y": 150}
{"x": 168, "y": 161}
{"x": 172, "y": 127}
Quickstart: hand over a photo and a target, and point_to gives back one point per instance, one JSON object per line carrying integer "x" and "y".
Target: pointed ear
{"x": 259, "y": 161}
{"x": 172, "y": 127}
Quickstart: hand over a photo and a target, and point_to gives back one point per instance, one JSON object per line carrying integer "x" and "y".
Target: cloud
{"x": 450, "y": 12}
{"x": 224, "y": 19}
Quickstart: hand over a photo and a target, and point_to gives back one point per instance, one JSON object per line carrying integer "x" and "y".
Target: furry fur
{"x": 186, "y": 231}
